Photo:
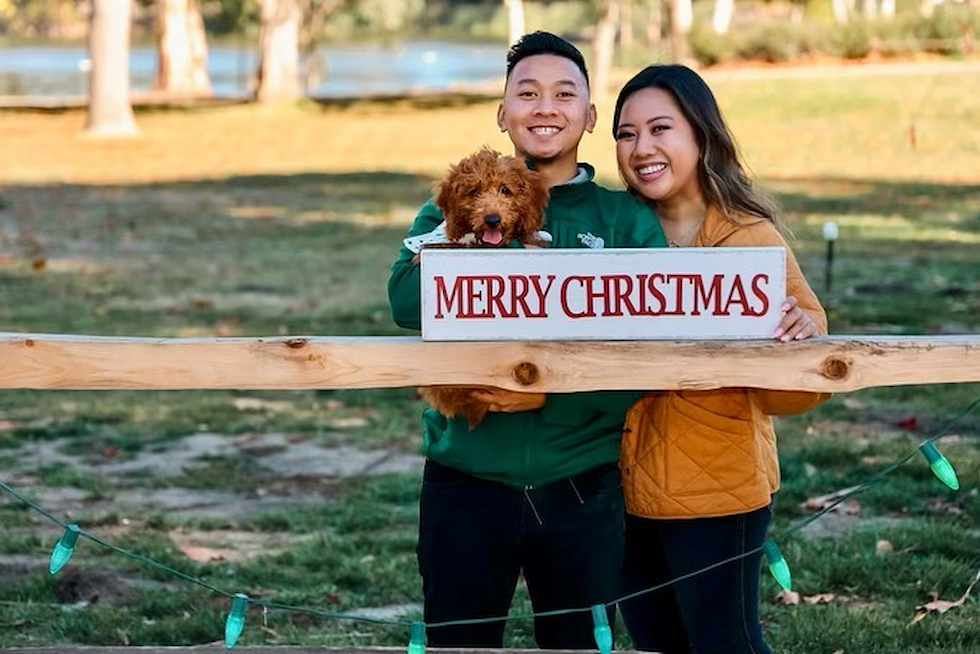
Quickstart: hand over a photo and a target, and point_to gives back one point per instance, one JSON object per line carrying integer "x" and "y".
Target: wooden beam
{"x": 270, "y": 649}
{"x": 838, "y": 363}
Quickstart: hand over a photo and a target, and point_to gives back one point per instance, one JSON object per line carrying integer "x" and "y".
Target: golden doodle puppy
{"x": 487, "y": 200}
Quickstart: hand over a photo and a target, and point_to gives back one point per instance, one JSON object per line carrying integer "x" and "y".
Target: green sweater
{"x": 572, "y": 432}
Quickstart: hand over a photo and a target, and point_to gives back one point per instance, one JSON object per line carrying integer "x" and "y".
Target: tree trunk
{"x": 182, "y": 48}
{"x": 109, "y": 111}
{"x": 603, "y": 46}
{"x": 278, "y": 71}
{"x": 655, "y": 23}
{"x": 515, "y": 20}
{"x": 721, "y": 20}
{"x": 626, "y": 25}
{"x": 680, "y": 16}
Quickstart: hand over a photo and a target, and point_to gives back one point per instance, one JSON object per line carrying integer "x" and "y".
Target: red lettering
{"x": 542, "y": 295}
{"x": 442, "y": 295}
{"x": 703, "y": 296}
{"x": 761, "y": 278}
{"x": 658, "y": 296}
{"x": 584, "y": 281}
{"x": 736, "y": 296}
{"x": 616, "y": 290}
{"x": 495, "y": 295}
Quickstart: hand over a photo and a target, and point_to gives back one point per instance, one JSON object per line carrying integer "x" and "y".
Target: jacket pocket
{"x": 707, "y": 452}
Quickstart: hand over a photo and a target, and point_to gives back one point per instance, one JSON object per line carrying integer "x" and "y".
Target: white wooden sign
{"x": 612, "y": 294}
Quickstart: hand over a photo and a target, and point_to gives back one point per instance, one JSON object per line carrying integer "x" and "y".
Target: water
{"x": 349, "y": 71}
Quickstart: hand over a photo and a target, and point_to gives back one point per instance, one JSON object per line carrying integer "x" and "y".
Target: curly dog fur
{"x": 497, "y": 199}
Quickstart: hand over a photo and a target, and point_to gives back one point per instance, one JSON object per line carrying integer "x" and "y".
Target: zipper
{"x": 534, "y": 509}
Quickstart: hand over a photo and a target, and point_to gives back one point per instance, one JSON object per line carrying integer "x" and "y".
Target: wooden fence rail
{"x": 276, "y": 649}
{"x": 834, "y": 363}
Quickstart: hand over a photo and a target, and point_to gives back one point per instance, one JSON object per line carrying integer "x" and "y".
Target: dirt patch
{"x": 287, "y": 471}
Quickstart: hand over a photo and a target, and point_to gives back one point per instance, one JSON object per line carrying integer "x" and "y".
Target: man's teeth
{"x": 655, "y": 168}
{"x": 544, "y": 130}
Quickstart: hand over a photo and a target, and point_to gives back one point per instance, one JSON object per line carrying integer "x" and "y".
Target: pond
{"x": 336, "y": 71}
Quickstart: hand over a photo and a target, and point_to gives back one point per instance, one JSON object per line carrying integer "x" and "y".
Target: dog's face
{"x": 496, "y": 198}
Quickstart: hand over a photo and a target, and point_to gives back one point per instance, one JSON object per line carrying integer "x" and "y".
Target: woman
{"x": 700, "y": 467}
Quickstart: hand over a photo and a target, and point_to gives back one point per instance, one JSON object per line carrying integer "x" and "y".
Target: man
{"x": 534, "y": 489}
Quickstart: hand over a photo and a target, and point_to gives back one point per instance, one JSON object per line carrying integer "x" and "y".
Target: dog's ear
{"x": 536, "y": 189}
{"x": 454, "y": 192}
{"x": 446, "y": 194}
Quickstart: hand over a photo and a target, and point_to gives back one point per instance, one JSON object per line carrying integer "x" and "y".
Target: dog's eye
{"x": 473, "y": 192}
{"x": 505, "y": 190}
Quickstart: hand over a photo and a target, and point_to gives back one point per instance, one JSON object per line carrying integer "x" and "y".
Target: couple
{"x": 538, "y": 487}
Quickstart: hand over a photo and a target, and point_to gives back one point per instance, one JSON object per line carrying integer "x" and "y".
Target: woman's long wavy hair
{"x": 722, "y": 176}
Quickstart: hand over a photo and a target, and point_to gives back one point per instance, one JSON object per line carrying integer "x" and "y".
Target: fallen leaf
{"x": 939, "y": 606}
{"x": 788, "y": 597}
{"x": 820, "y": 598}
{"x": 909, "y": 423}
{"x": 823, "y": 502}
{"x": 939, "y": 505}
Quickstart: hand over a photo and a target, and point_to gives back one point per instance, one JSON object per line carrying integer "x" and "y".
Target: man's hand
{"x": 510, "y": 401}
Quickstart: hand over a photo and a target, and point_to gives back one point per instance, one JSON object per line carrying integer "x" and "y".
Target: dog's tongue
{"x": 492, "y": 237}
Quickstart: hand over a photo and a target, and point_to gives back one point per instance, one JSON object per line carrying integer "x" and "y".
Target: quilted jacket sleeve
{"x": 775, "y": 402}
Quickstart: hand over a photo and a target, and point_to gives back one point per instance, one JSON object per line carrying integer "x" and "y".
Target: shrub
{"x": 772, "y": 42}
{"x": 710, "y": 48}
{"x": 853, "y": 40}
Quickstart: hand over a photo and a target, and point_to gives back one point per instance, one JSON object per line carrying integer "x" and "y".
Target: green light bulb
{"x": 777, "y": 565}
{"x": 63, "y": 549}
{"x": 416, "y": 643}
{"x": 236, "y": 620}
{"x": 602, "y": 632}
{"x": 940, "y": 466}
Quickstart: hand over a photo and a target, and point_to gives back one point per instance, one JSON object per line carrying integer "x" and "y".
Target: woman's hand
{"x": 795, "y": 324}
{"x": 510, "y": 401}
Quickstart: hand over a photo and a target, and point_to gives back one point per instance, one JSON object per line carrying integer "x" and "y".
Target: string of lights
{"x": 235, "y": 621}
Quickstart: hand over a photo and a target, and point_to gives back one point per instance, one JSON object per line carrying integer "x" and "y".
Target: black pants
{"x": 716, "y": 612}
{"x": 477, "y": 536}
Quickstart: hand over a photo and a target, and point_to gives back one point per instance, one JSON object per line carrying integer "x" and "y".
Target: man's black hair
{"x": 539, "y": 43}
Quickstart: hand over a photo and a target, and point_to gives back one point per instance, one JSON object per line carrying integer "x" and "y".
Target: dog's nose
{"x": 491, "y": 220}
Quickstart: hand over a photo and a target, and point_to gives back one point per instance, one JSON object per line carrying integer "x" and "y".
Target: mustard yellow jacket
{"x": 691, "y": 454}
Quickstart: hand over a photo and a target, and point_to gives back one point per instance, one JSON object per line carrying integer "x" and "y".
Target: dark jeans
{"x": 716, "y": 612}
{"x": 477, "y": 536}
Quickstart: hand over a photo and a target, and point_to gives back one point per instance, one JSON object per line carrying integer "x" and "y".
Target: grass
{"x": 239, "y": 220}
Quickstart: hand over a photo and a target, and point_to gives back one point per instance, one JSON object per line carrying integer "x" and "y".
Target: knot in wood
{"x": 526, "y": 373}
{"x": 296, "y": 343}
{"x": 836, "y": 368}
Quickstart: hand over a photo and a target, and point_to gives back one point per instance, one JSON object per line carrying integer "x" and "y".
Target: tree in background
{"x": 515, "y": 20}
{"x": 680, "y": 18}
{"x": 721, "y": 18}
{"x": 109, "y": 111}
{"x": 277, "y": 79}
{"x": 604, "y": 45}
{"x": 182, "y": 48}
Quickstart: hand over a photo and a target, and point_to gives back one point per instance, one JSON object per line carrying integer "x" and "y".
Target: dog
{"x": 488, "y": 200}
